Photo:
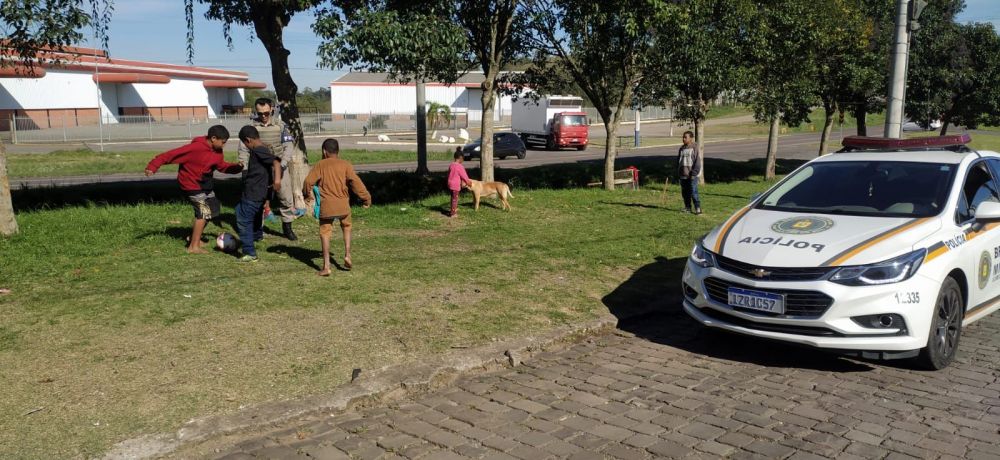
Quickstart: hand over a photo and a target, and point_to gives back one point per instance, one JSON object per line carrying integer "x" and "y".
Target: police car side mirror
{"x": 988, "y": 211}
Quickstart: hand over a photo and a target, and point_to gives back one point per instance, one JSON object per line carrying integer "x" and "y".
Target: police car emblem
{"x": 803, "y": 225}
{"x": 985, "y": 262}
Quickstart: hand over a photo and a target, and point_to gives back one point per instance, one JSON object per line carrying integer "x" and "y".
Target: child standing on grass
{"x": 197, "y": 162}
{"x": 456, "y": 178}
{"x": 263, "y": 177}
{"x": 336, "y": 179}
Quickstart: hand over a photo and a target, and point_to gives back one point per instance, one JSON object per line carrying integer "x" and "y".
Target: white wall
{"x": 109, "y": 102}
{"x": 177, "y": 93}
{"x": 501, "y": 106}
{"x": 60, "y": 89}
{"x": 402, "y": 99}
{"x": 56, "y": 90}
{"x": 392, "y": 99}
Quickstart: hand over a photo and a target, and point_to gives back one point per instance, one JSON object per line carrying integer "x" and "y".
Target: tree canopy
{"x": 954, "y": 70}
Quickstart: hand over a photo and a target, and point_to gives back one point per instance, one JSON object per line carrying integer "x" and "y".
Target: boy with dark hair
{"x": 197, "y": 162}
{"x": 688, "y": 168}
{"x": 336, "y": 178}
{"x": 275, "y": 136}
{"x": 263, "y": 174}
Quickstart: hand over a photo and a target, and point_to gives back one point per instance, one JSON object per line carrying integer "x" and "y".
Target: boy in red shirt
{"x": 197, "y": 162}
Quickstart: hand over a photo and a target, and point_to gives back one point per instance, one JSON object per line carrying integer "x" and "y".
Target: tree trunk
{"x": 269, "y": 28}
{"x": 772, "y": 147}
{"x": 824, "y": 142}
{"x": 422, "y": 168}
{"x": 610, "y": 150}
{"x": 945, "y": 121}
{"x": 486, "y": 129}
{"x": 862, "y": 117}
{"x": 699, "y": 136}
{"x": 284, "y": 86}
{"x": 8, "y": 223}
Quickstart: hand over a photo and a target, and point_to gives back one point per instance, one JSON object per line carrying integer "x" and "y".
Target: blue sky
{"x": 131, "y": 39}
{"x": 134, "y": 19}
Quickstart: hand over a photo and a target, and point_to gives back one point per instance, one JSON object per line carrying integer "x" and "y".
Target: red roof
{"x": 86, "y": 59}
{"x": 130, "y": 78}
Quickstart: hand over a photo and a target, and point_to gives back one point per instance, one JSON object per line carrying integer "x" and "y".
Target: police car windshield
{"x": 864, "y": 188}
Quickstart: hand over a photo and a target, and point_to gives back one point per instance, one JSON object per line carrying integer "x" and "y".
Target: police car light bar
{"x": 883, "y": 143}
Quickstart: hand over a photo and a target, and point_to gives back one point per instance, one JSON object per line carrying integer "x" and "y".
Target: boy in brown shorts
{"x": 336, "y": 178}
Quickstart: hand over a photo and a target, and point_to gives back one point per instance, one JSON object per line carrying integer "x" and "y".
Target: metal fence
{"x": 133, "y": 128}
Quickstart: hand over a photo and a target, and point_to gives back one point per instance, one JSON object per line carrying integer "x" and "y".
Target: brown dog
{"x": 487, "y": 189}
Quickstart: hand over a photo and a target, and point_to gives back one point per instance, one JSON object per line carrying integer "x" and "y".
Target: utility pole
{"x": 638, "y": 137}
{"x": 907, "y": 13}
{"x": 421, "y": 128}
{"x": 97, "y": 83}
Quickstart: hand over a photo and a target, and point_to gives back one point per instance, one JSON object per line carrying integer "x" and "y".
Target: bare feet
{"x": 197, "y": 250}
{"x": 347, "y": 262}
{"x": 324, "y": 272}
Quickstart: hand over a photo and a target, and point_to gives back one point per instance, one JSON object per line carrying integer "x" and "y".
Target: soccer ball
{"x": 226, "y": 242}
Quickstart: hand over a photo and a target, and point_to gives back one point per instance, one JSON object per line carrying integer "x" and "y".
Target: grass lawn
{"x": 112, "y": 331}
{"x": 86, "y": 162}
{"x": 726, "y": 111}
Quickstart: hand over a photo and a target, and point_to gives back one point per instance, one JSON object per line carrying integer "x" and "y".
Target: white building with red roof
{"x": 63, "y": 87}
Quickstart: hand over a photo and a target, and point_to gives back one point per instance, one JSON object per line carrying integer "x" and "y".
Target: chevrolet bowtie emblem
{"x": 760, "y": 272}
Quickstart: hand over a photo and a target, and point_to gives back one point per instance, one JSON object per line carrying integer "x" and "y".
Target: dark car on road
{"x": 504, "y": 145}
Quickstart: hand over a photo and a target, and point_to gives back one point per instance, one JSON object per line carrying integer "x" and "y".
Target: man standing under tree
{"x": 275, "y": 137}
{"x": 688, "y": 167}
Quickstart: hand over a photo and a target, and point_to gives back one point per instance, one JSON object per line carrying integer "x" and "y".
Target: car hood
{"x": 783, "y": 239}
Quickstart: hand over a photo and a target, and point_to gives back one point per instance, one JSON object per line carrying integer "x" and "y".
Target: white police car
{"x": 884, "y": 250}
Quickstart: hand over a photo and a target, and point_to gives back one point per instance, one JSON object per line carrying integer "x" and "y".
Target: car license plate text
{"x": 757, "y": 300}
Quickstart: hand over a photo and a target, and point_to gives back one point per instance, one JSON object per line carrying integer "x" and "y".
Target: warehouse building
{"x": 54, "y": 95}
{"x": 358, "y": 95}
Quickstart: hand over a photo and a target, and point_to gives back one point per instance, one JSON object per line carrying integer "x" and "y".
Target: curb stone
{"x": 371, "y": 388}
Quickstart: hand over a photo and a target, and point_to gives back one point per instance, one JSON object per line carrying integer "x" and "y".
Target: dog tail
{"x": 509, "y": 195}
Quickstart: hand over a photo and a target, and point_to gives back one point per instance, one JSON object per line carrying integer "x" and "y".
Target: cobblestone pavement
{"x": 665, "y": 388}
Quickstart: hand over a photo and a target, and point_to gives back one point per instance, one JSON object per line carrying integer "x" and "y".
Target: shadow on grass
{"x": 305, "y": 255}
{"x": 648, "y": 305}
{"x": 392, "y": 187}
{"x": 308, "y": 256}
{"x": 633, "y": 205}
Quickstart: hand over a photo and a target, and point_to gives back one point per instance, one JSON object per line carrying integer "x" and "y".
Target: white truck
{"x": 554, "y": 122}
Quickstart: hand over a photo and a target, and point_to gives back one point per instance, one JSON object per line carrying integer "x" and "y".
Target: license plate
{"x": 757, "y": 300}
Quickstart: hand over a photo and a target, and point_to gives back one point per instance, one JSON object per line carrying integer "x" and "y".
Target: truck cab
{"x": 568, "y": 129}
{"x": 551, "y": 122}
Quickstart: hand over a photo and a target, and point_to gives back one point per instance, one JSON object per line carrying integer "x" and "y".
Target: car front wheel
{"x": 521, "y": 154}
{"x": 946, "y": 328}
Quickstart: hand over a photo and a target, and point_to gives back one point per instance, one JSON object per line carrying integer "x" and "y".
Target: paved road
{"x": 796, "y": 146}
{"x": 650, "y": 128}
{"x": 662, "y": 387}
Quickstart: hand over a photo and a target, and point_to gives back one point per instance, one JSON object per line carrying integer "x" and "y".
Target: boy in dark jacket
{"x": 262, "y": 179}
{"x": 197, "y": 162}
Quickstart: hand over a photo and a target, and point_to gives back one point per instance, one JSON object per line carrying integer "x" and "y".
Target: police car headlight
{"x": 888, "y": 272}
{"x": 702, "y": 257}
